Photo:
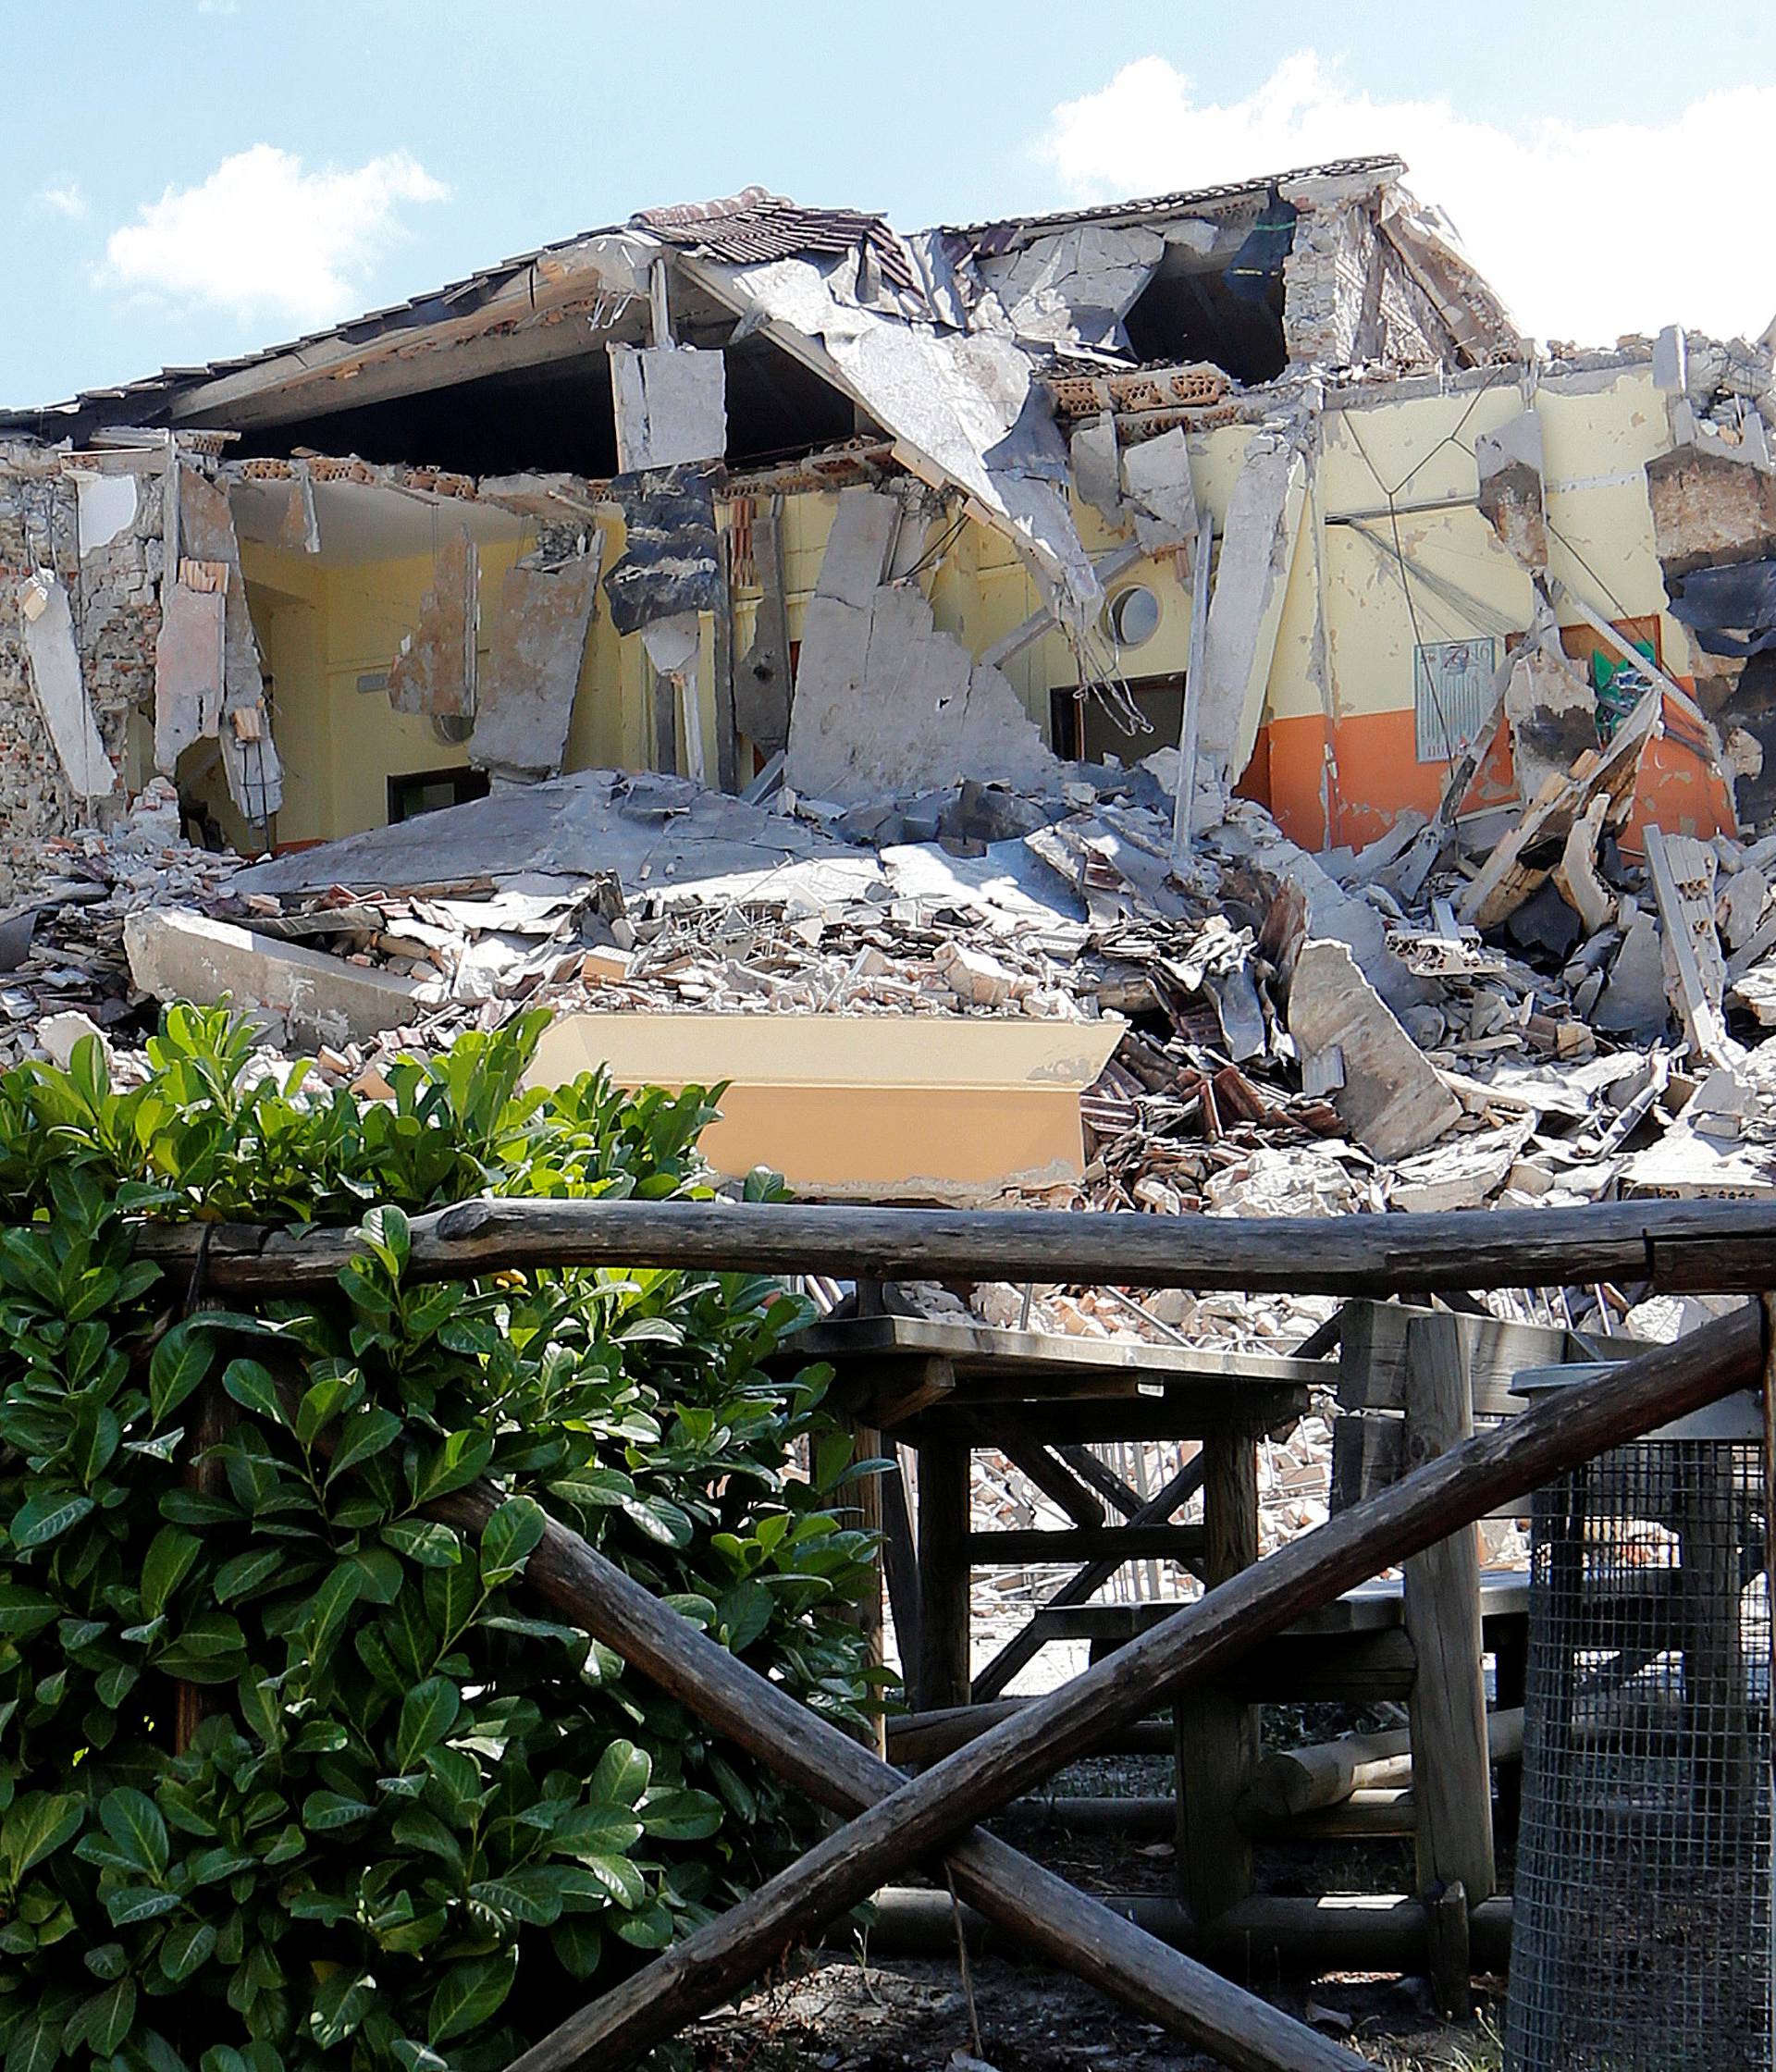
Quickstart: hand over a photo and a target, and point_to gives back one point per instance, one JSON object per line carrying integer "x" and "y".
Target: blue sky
{"x": 190, "y": 178}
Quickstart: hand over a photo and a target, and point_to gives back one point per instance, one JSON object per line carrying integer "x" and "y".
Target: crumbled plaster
{"x": 1508, "y": 460}
{"x": 434, "y": 668}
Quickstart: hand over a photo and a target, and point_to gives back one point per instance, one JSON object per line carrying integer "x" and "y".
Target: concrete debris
{"x": 1392, "y": 1099}
{"x": 526, "y": 700}
{"x": 54, "y": 664}
{"x": 1531, "y": 961}
{"x": 1552, "y": 711}
{"x": 883, "y": 700}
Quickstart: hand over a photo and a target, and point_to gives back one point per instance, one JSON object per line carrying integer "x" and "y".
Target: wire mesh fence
{"x": 1642, "y": 1922}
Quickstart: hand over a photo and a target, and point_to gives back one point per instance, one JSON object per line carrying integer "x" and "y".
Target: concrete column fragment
{"x": 57, "y": 678}
{"x": 1263, "y": 525}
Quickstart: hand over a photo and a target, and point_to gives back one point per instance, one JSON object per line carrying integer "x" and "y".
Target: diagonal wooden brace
{"x": 1051, "y": 1916}
{"x": 927, "y": 1814}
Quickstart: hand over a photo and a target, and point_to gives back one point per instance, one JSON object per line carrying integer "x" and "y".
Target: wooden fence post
{"x": 1196, "y": 1644}
{"x": 1451, "y": 1765}
{"x": 945, "y": 1628}
{"x": 1217, "y": 1733}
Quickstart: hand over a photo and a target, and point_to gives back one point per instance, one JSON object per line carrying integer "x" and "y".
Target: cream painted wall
{"x": 322, "y": 628}
{"x": 1597, "y": 436}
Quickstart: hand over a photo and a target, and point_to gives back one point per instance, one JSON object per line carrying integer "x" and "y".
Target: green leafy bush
{"x": 406, "y": 1803}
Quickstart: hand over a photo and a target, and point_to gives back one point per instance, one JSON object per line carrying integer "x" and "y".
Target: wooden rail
{"x": 1681, "y": 1247}
{"x": 928, "y": 1813}
{"x": 1041, "y": 1911}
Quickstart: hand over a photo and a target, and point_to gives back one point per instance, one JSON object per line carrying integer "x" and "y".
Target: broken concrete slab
{"x": 1393, "y": 1100}
{"x": 964, "y": 409}
{"x": 435, "y": 667}
{"x": 1576, "y": 876}
{"x": 1462, "y": 1173}
{"x": 177, "y": 954}
{"x": 670, "y": 405}
{"x": 526, "y": 701}
{"x": 1633, "y": 1001}
{"x": 1073, "y": 288}
{"x": 55, "y": 676}
{"x": 1321, "y": 907}
{"x": 1096, "y": 458}
{"x": 646, "y": 830}
{"x": 884, "y": 702}
{"x": 1158, "y": 493}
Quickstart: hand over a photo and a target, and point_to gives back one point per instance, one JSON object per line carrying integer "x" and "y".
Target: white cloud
{"x": 262, "y": 236}
{"x": 66, "y": 200}
{"x": 1589, "y": 230}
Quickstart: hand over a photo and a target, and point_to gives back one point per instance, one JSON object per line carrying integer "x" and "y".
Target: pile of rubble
{"x": 1299, "y": 1035}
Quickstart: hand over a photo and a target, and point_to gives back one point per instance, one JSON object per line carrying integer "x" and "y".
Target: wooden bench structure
{"x": 1411, "y": 1381}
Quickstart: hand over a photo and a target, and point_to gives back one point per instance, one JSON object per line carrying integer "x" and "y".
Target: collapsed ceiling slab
{"x": 647, "y": 830}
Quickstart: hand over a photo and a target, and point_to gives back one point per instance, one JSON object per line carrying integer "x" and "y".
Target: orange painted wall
{"x": 1377, "y": 777}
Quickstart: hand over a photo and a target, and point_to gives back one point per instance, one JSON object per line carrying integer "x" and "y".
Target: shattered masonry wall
{"x": 114, "y": 597}
{"x": 1347, "y": 300}
{"x": 1326, "y": 280}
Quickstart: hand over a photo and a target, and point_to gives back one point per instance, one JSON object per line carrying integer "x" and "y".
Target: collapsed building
{"x": 1208, "y": 609}
{"x": 748, "y": 479}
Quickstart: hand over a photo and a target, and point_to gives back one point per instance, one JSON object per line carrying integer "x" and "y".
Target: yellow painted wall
{"x": 321, "y": 626}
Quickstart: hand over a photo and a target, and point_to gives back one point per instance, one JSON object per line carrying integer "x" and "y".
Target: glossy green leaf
{"x": 473, "y": 1991}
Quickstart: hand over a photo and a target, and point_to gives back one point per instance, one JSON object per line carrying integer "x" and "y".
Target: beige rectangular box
{"x": 863, "y": 1107}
